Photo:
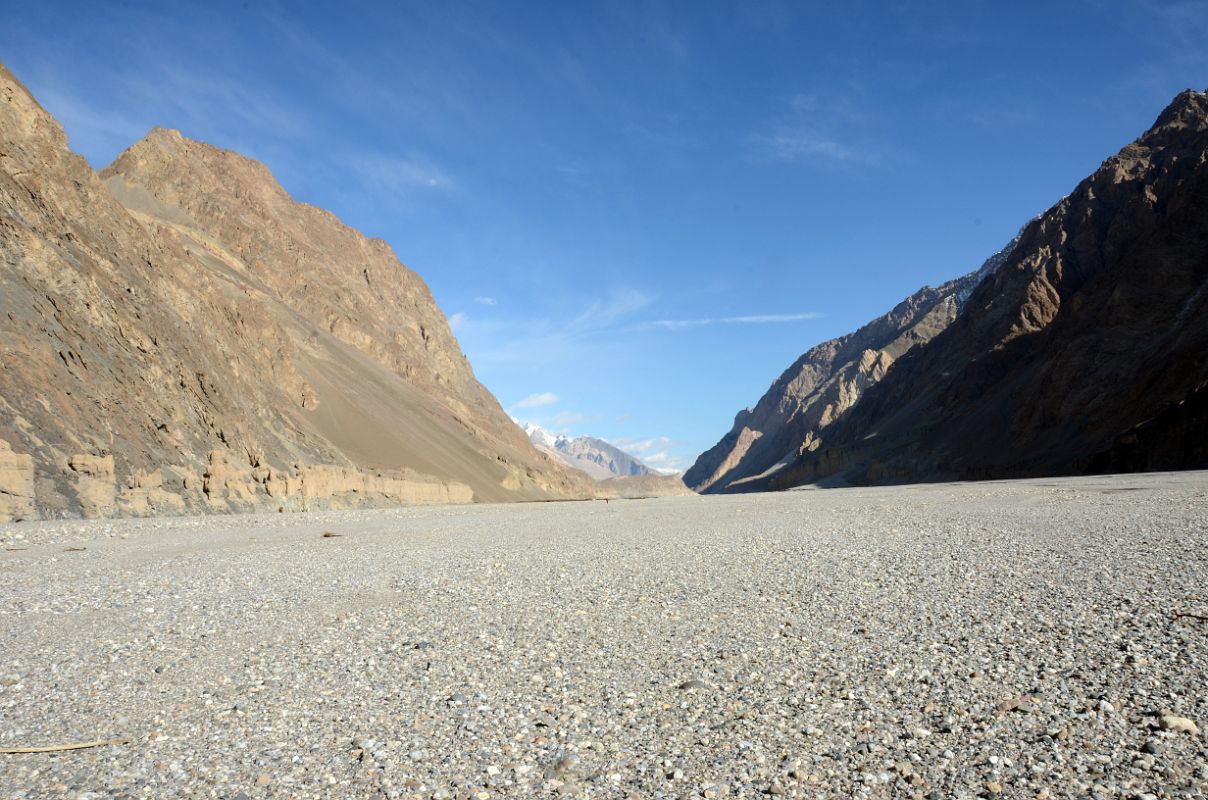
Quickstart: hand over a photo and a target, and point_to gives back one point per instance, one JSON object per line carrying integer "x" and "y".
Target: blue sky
{"x": 637, "y": 214}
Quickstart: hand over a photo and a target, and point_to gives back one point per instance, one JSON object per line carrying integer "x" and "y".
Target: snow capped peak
{"x": 596, "y": 457}
{"x": 540, "y": 436}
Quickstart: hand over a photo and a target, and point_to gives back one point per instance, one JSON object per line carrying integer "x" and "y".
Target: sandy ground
{"x": 1018, "y": 639}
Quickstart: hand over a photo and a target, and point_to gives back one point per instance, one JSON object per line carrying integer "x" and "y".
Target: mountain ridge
{"x": 179, "y": 336}
{"x": 1085, "y": 351}
{"x": 598, "y": 458}
{"x": 794, "y": 413}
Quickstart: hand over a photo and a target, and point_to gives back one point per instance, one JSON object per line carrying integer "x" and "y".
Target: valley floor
{"x": 1014, "y": 639}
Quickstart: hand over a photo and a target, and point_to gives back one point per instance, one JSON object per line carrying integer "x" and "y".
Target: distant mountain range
{"x": 1082, "y": 347}
{"x": 596, "y": 457}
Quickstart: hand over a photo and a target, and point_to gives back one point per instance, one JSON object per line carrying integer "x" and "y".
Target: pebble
{"x": 1171, "y": 722}
{"x": 1010, "y": 635}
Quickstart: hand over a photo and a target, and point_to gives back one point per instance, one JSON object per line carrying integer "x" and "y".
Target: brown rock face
{"x": 638, "y": 487}
{"x": 1087, "y": 350}
{"x": 793, "y": 417}
{"x": 16, "y": 484}
{"x": 186, "y": 306}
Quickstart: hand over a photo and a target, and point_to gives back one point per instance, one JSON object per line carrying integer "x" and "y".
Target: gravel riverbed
{"x": 1023, "y": 639}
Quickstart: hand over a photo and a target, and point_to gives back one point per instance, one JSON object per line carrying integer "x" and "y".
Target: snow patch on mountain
{"x": 599, "y": 459}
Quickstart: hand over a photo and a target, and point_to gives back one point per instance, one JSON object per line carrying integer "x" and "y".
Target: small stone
{"x": 993, "y": 787}
{"x": 693, "y": 683}
{"x": 563, "y": 768}
{"x": 1021, "y": 704}
{"x": 263, "y": 780}
{"x": 1153, "y": 747}
{"x": 1178, "y": 724}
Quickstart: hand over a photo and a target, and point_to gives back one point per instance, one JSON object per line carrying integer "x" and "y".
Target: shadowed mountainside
{"x": 793, "y": 416}
{"x": 1085, "y": 351}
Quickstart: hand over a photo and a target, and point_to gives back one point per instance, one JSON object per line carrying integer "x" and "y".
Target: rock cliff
{"x": 177, "y": 334}
{"x": 1085, "y": 351}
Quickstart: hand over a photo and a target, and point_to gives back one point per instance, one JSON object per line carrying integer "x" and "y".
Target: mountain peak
{"x": 167, "y": 156}
{"x": 1084, "y": 352}
{"x": 194, "y": 340}
{"x": 599, "y": 459}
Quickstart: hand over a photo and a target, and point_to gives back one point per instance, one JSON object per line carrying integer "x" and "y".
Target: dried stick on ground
{"x": 54, "y": 748}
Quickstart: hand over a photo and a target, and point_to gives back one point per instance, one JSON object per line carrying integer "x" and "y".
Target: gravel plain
{"x": 1024, "y": 639}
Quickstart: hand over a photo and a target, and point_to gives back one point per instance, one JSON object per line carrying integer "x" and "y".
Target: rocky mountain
{"x": 600, "y": 459}
{"x": 1085, "y": 351}
{"x": 794, "y": 415}
{"x": 177, "y": 334}
{"x": 596, "y": 457}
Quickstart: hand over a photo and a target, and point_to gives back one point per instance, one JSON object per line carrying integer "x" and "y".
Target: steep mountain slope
{"x": 794, "y": 414}
{"x": 216, "y": 346}
{"x": 598, "y": 458}
{"x": 1086, "y": 351}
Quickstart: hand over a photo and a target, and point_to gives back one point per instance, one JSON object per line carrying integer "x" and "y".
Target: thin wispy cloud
{"x": 1187, "y": 21}
{"x": 486, "y": 301}
{"x": 416, "y": 88}
{"x": 458, "y": 320}
{"x": 598, "y": 315}
{"x": 400, "y": 174}
{"x": 203, "y": 96}
{"x": 805, "y": 146}
{"x": 748, "y": 319}
{"x": 663, "y": 462}
{"x": 763, "y": 319}
{"x": 154, "y": 91}
{"x": 639, "y": 447}
{"x": 816, "y": 129}
{"x": 532, "y": 340}
{"x": 89, "y": 127}
{"x": 537, "y": 400}
{"x": 654, "y": 452}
